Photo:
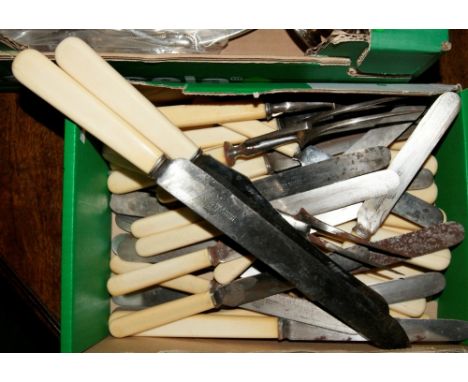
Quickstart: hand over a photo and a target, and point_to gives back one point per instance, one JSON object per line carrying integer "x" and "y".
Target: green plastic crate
{"x": 87, "y": 231}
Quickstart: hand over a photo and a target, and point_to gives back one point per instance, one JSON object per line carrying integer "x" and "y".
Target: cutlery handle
{"x": 83, "y": 64}
{"x": 169, "y": 240}
{"x": 157, "y": 273}
{"x": 122, "y": 181}
{"x": 226, "y": 272}
{"x": 187, "y": 283}
{"x": 185, "y": 116}
{"x": 213, "y": 136}
{"x": 161, "y": 314}
{"x": 44, "y": 78}
{"x": 164, "y": 221}
{"x": 218, "y": 326}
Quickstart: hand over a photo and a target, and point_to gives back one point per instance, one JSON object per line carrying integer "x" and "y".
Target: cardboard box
{"x": 87, "y": 234}
{"x": 385, "y": 55}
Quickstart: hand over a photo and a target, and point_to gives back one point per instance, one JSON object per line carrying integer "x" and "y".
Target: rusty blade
{"x": 421, "y": 242}
{"x": 356, "y": 253}
{"x": 426, "y": 240}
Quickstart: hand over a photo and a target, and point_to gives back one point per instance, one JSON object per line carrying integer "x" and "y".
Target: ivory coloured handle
{"x": 169, "y": 240}
{"x": 218, "y": 326}
{"x": 213, "y": 136}
{"x": 430, "y": 164}
{"x": 157, "y": 273}
{"x": 164, "y": 221}
{"x": 83, "y": 64}
{"x": 187, "y": 283}
{"x": 161, "y": 314}
{"x": 226, "y": 272}
{"x": 122, "y": 181}
{"x": 44, "y": 78}
{"x": 185, "y": 116}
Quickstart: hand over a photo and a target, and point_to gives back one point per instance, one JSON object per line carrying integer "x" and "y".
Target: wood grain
{"x": 31, "y": 154}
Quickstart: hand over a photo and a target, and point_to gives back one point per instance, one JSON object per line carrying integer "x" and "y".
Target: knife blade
{"x": 306, "y": 134}
{"x": 301, "y": 310}
{"x": 224, "y": 326}
{"x": 210, "y": 184}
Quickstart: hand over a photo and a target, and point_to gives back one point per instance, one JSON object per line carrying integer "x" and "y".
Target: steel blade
{"x": 150, "y": 297}
{"x": 326, "y": 172}
{"x": 418, "y": 330}
{"x": 424, "y": 178}
{"x": 136, "y": 203}
{"x": 231, "y": 203}
{"x": 125, "y": 222}
{"x": 417, "y": 211}
{"x": 304, "y": 311}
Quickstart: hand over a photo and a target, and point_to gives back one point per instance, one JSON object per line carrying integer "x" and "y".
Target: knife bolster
{"x": 158, "y": 167}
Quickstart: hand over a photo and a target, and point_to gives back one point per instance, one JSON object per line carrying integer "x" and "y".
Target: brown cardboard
{"x": 187, "y": 345}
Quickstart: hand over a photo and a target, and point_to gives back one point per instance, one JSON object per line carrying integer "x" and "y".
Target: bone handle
{"x": 116, "y": 160}
{"x": 164, "y": 221}
{"x": 169, "y": 240}
{"x": 122, "y": 181}
{"x": 252, "y": 129}
{"x": 40, "y": 75}
{"x": 213, "y": 136}
{"x": 422, "y": 141}
{"x": 82, "y": 63}
{"x": 226, "y": 272}
{"x": 158, "y": 273}
{"x": 161, "y": 314}
{"x": 187, "y": 283}
{"x": 127, "y": 181}
{"x": 185, "y": 116}
{"x": 430, "y": 164}
{"x": 218, "y": 326}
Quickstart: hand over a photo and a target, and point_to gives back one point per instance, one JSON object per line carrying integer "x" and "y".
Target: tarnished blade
{"x": 306, "y": 133}
{"x": 249, "y": 289}
{"x": 423, "y": 179}
{"x": 417, "y": 330}
{"x": 357, "y": 253}
{"x": 323, "y": 173}
{"x": 149, "y": 297}
{"x": 426, "y": 240}
{"x": 417, "y": 211}
{"x": 136, "y": 203}
{"x": 125, "y": 221}
{"x": 412, "y": 244}
{"x": 231, "y": 203}
{"x": 302, "y": 310}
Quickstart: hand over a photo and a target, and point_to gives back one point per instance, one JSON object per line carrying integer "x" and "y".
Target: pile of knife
{"x": 308, "y": 220}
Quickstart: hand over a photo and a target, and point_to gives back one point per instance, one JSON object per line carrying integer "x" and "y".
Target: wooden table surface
{"x": 31, "y": 157}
